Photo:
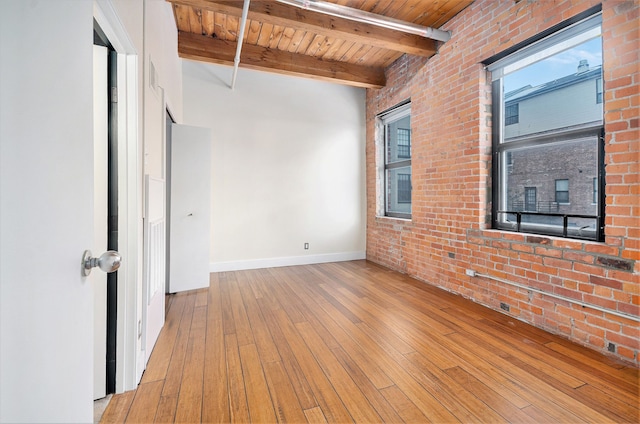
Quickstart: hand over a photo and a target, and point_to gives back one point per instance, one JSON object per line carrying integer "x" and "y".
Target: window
{"x": 545, "y": 85}
{"x": 404, "y": 188}
{"x": 562, "y": 191}
{"x": 394, "y": 156}
{"x": 530, "y": 199}
{"x": 404, "y": 143}
{"x": 599, "y": 90}
{"x": 511, "y": 113}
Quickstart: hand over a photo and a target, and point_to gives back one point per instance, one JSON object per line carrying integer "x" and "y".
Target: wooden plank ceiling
{"x": 290, "y": 40}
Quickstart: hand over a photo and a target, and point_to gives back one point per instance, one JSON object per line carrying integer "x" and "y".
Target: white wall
{"x": 288, "y": 166}
{"x": 161, "y": 49}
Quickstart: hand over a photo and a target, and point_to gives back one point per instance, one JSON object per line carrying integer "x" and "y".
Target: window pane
{"x": 554, "y": 94}
{"x": 539, "y": 168}
{"x": 398, "y": 134}
{"x": 562, "y": 191}
{"x": 398, "y": 193}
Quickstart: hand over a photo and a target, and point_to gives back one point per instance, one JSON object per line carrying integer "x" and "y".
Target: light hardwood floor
{"x": 354, "y": 341}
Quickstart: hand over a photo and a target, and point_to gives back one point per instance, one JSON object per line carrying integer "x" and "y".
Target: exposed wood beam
{"x": 208, "y": 49}
{"x": 330, "y": 26}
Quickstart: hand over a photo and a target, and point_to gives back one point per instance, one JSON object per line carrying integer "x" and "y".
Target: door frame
{"x": 128, "y": 340}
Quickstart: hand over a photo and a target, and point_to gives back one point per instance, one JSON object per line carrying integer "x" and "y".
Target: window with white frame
{"x": 555, "y": 136}
{"x": 394, "y": 158}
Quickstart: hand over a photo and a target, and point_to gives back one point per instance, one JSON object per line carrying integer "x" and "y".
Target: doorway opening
{"x": 101, "y": 39}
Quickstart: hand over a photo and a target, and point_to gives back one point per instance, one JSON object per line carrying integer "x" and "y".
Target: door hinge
{"x": 114, "y": 94}
{"x": 139, "y": 328}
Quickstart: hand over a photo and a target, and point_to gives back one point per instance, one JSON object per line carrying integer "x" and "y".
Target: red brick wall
{"x": 450, "y": 229}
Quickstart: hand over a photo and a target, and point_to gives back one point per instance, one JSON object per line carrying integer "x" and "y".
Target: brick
{"x": 615, "y": 263}
{"x": 627, "y": 353}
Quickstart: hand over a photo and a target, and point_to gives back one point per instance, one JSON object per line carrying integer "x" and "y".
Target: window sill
{"x": 394, "y": 218}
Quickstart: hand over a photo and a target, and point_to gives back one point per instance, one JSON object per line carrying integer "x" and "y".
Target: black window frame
{"x": 386, "y": 118}
{"x": 508, "y": 220}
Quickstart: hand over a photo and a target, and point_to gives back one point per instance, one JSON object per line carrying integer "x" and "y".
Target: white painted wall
{"x": 46, "y": 211}
{"x": 288, "y": 166}
{"x": 160, "y": 49}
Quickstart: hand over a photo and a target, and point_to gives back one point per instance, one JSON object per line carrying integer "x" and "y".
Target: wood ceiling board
{"x": 207, "y": 49}
{"x": 253, "y": 32}
{"x": 181, "y": 14}
{"x": 288, "y": 16}
{"x": 448, "y": 13}
{"x": 208, "y": 22}
{"x": 195, "y": 20}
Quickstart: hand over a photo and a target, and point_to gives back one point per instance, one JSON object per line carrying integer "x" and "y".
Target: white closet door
{"x": 190, "y": 208}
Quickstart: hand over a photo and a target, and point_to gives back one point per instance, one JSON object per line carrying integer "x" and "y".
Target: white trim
{"x": 106, "y": 16}
{"x": 285, "y": 261}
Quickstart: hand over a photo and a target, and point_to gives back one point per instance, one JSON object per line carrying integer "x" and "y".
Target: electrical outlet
{"x": 470, "y": 272}
{"x": 306, "y": 246}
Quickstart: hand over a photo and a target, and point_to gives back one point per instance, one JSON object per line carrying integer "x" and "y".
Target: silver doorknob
{"x": 109, "y": 261}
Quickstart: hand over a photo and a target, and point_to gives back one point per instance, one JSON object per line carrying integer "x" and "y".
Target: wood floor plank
{"x": 240, "y": 319}
{"x": 465, "y": 405}
{"x": 297, "y": 377}
{"x": 321, "y": 387}
{"x": 315, "y": 415}
{"x": 176, "y": 364}
{"x": 354, "y": 341}
{"x": 551, "y": 399}
{"x": 489, "y": 397}
{"x": 624, "y": 412}
{"x": 261, "y": 334}
{"x": 353, "y": 398}
{"x": 225, "y": 303}
{"x": 166, "y": 412}
{"x": 239, "y": 408}
{"x": 285, "y": 401}
{"x": 619, "y": 381}
{"x": 202, "y": 296}
{"x": 477, "y": 332}
{"x": 161, "y": 355}
{"x": 279, "y": 276}
{"x": 586, "y": 357}
{"x": 215, "y": 391}
{"x": 255, "y": 384}
{"x": 118, "y": 408}
{"x": 370, "y": 391}
{"x": 189, "y": 408}
{"x": 429, "y": 406}
{"x": 407, "y": 410}
{"x": 145, "y": 403}
{"x": 335, "y": 338}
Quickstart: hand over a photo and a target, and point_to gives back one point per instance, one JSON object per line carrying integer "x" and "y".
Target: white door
{"x": 190, "y": 208}
{"x": 155, "y": 257}
{"x": 98, "y": 279}
{"x": 46, "y": 211}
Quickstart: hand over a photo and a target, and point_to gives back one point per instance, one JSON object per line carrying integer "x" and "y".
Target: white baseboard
{"x": 286, "y": 261}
